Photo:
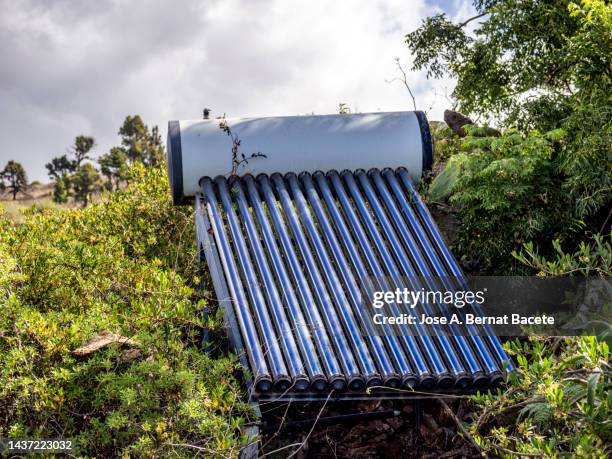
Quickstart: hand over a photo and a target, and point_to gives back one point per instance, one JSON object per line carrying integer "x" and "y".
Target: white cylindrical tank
{"x": 202, "y": 148}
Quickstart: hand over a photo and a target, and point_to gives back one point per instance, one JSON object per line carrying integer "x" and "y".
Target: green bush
{"x": 593, "y": 258}
{"x": 536, "y": 66}
{"x": 125, "y": 265}
{"x": 558, "y": 402}
{"x": 507, "y": 192}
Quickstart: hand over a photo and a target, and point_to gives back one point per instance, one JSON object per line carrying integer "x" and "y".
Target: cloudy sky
{"x": 73, "y": 67}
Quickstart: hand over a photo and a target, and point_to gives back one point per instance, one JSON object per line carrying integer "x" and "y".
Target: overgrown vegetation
{"x": 535, "y": 200}
{"x": 507, "y": 191}
{"x": 559, "y": 399}
{"x": 541, "y": 70}
{"x": 557, "y": 404}
{"x": 126, "y": 265}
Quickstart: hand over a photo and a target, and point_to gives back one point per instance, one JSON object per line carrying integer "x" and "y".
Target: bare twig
{"x": 237, "y": 158}
{"x": 281, "y": 449}
{"x": 190, "y": 446}
{"x": 463, "y": 430}
{"x": 280, "y": 425}
{"x": 404, "y": 80}
{"x": 313, "y": 427}
{"x": 425, "y": 395}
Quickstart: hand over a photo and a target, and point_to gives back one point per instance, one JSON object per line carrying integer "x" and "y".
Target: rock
{"x": 456, "y": 121}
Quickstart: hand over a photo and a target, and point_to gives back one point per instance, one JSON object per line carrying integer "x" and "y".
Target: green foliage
{"x": 60, "y": 167}
{"x": 77, "y": 179}
{"x": 557, "y": 403}
{"x": 447, "y": 164}
{"x": 139, "y": 144}
{"x": 591, "y": 259}
{"x": 536, "y": 65}
{"x": 435, "y": 44}
{"x": 61, "y": 190}
{"x": 446, "y": 145}
{"x": 85, "y": 181}
{"x": 114, "y": 166}
{"x": 518, "y": 47}
{"x": 82, "y": 146}
{"x": 446, "y": 142}
{"x": 507, "y": 192}
{"x": 15, "y": 175}
{"x": 72, "y": 177}
{"x": 126, "y": 265}
{"x": 443, "y": 184}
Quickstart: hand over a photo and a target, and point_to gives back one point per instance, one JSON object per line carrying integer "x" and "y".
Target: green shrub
{"x": 507, "y": 191}
{"x": 593, "y": 258}
{"x": 558, "y": 402}
{"x": 126, "y": 265}
{"x": 446, "y": 142}
{"x": 536, "y": 66}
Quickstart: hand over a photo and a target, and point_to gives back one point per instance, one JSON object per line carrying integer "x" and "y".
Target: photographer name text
{"x": 466, "y": 319}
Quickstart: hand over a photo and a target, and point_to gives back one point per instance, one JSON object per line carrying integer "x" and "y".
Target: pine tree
{"x": 85, "y": 181}
{"x": 61, "y": 190}
{"x": 82, "y": 146}
{"x": 15, "y": 175}
{"x": 114, "y": 166}
{"x": 139, "y": 144}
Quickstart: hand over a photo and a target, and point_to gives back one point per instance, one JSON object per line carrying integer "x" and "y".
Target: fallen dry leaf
{"x": 102, "y": 339}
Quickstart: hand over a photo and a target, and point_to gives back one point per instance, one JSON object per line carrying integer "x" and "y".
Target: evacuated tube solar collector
{"x": 320, "y": 203}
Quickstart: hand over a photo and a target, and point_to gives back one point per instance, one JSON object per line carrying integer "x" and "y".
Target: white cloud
{"x": 79, "y": 68}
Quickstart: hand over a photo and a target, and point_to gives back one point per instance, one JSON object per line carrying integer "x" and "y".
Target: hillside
{"x": 36, "y": 194}
{"x": 100, "y": 330}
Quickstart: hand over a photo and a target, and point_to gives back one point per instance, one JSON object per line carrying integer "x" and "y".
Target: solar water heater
{"x": 301, "y": 219}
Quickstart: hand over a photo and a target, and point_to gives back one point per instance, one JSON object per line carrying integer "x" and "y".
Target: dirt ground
{"x": 402, "y": 433}
{"x": 35, "y": 192}
{"x": 39, "y": 194}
